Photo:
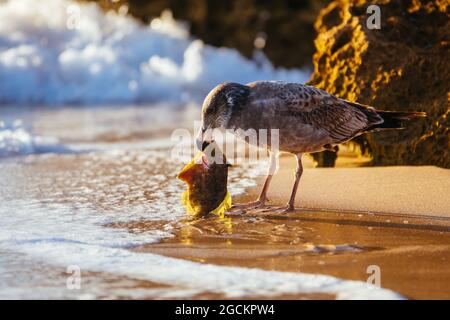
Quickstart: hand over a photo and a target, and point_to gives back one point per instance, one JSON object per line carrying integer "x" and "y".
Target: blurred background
{"x": 137, "y": 52}
{"x": 244, "y": 25}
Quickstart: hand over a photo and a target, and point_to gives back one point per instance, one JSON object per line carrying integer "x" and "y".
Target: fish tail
{"x": 223, "y": 206}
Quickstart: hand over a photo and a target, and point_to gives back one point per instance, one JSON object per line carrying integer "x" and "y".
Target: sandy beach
{"x": 113, "y": 197}
{"x": 101, "y": 106}
{"x": 343, "y": 231}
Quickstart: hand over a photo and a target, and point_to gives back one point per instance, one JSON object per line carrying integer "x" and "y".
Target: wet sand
{"x": 349, "y": 219}
{"x": 412, "y": 250}
{"x": 413, "y": 257}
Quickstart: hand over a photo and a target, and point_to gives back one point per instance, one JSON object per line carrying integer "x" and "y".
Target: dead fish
{"x": 206, "y": 176}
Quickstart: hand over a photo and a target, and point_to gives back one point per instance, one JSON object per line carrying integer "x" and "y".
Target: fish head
{"x": 197, "y": 167}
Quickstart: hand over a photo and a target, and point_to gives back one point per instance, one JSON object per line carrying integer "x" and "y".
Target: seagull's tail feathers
{"x": 385, "y": 120}
{"x": 395, "y": 120}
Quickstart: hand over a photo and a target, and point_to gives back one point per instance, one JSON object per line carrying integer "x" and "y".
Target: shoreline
{"x": 409, "y": 248}
{"x": 412, "y": 257}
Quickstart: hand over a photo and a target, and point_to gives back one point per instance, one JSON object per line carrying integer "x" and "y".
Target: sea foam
{"x": 80, "y": 217}
{"x": 16, "y": 139}
{"x": 62, "y": 51}
{"x": 108, "y": 248}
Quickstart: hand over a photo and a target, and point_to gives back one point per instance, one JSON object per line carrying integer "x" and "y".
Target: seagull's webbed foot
{"x": 287, "y": 209}
{"x": 260, "y": 203}
{"x": 280, "y": 210}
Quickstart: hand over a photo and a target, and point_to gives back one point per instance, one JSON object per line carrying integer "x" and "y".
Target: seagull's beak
{"x": 204, "y": 138}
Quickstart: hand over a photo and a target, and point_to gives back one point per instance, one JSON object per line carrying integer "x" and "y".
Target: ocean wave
{"x": 16, "y": 140}
{"x": 88, "y": 209}
{"x": 49, "y": 243}
{"x": 62, "y": 52}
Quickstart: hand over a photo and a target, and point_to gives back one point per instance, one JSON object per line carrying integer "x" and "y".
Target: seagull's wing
{"x": 342, "y": 120}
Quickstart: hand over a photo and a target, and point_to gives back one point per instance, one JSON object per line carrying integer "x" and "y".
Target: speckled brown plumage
{"x": 307, "y": 119}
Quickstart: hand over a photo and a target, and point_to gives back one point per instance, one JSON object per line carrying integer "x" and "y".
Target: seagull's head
{"x": 219, "y": 106}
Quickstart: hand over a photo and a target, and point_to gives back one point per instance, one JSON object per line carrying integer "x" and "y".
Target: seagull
{"x": 308, "y": 120}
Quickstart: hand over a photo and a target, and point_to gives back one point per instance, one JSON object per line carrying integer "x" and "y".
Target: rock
{"x": 403, "y": 66}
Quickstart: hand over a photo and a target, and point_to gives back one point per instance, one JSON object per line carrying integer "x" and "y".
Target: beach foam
{"x": 75, "y": 216}
{"x": 15, "y": 140}
{"x": 61, "y": 51}
{"x": 70, "y": 240}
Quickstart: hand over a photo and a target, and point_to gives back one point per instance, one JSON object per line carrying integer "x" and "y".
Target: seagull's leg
{"x": 261, "y": 201}
{"x": 298, "y": 173}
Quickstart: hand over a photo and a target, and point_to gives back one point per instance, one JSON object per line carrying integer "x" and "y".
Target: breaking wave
{"x": 64, "y": 52}
{"x": 16, "y": 140}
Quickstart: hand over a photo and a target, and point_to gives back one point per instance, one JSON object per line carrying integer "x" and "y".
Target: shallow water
{"x": 72, "y": 205}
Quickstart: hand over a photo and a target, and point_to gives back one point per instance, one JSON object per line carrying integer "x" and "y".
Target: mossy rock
{"x": 403, "y": 66}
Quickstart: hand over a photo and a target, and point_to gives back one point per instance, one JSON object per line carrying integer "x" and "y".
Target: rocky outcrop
{"x": 403, "y": 66}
